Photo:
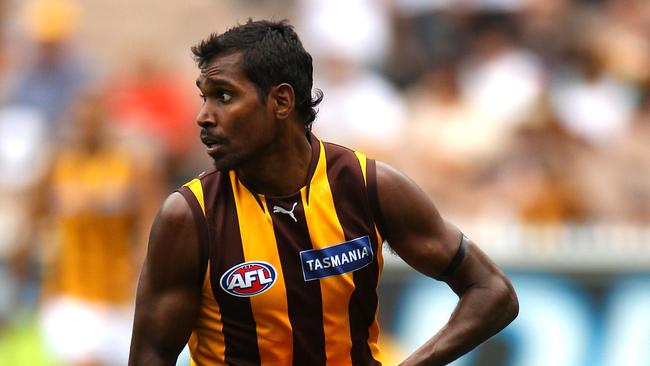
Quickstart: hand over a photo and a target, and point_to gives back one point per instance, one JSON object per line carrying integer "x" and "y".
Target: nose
{"x": 205, "y": 118}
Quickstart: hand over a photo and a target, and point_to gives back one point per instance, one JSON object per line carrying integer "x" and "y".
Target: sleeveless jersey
{"x": 91, "y": 200}
{"x": 289, "y": 280}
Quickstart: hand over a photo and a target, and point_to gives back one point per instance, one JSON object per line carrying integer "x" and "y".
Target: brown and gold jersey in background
{"x": 91, "y": 200}
{"x": 289, "y": 280}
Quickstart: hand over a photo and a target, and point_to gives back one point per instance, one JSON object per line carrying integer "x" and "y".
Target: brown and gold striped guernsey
{"x": 92, "y": 206}
{"x": 289, "y": 280}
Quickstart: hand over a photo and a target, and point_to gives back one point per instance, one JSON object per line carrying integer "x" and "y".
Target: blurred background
{"x": 526, "y": 121}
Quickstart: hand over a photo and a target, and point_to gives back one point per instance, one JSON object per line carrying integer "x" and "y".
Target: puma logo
{"x": 279, "y": 209}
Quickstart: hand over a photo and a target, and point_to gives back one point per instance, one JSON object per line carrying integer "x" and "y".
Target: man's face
{"x": 236, "y": 126}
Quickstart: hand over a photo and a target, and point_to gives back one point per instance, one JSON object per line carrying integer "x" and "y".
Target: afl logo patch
{"x": 248, "y": 279}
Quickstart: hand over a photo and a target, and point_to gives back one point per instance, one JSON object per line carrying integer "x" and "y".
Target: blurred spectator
{"x": 360, "y": 106}
{"x": 621, "y": 37}
{"x": 493, "y": 6}
{"x": 153, "y": 107}
{"x": 444, "y": 126}
{"x": 360, "y": 109}
{"x": 24, "y": 159}
{"x": 37, "y": 94}
{"x": 3, "y": 50}
{"x": 424, "y": 33}
{"x": 52, "y": 75}
{"x": 624, "y": 171}
{"x": 98, "y": 200}
{"x": 448, "y": 139}
{"x": 357, "y": 28}
{"x": 549, "y": 28}
{"x": 635, "y": 148}
{"x": 589, "y": 101}
{"x": 499, "y": 77}
{"x": 533, "y": 177}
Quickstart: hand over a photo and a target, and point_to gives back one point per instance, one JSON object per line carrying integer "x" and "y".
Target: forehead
{"x": 223, "y": 68}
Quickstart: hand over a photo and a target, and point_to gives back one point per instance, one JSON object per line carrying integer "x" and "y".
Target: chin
{"x": 220, "y": 166}
{"x": 225, "y": 164}
{"x": 231, "y": 161}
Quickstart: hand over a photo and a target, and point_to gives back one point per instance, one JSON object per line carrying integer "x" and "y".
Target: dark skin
{"x": 259, "y": 137}
{"x": 254, "y": 138}
{"x": 415, "y": 230}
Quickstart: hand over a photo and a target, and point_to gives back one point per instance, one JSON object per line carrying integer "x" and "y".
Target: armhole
{"x": 201, "y": 224}
{"x": 373, "y": 197}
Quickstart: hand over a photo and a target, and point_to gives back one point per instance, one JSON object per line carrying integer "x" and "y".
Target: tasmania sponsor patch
{"x": 248, "y": 279}
{"x": 337, "y": 259}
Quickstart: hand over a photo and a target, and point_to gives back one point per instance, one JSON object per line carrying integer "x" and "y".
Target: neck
{"x": 281, "y": 169}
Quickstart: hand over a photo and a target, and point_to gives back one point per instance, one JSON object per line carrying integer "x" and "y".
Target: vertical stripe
{"x": 373, "y": 198}
{"x": 206, "y": 343}
{"x": 195, "y": 186}
{"x": 316, "y": 147}
{"x": 368, "y": 168}
{"x": 239, "y": 327}
{"x": 304, "y": 302}
{"x": 350, "y": 199}
{"x": 194, "y": 197}
{"x": 325, "y": 230}
{"x": 373, "y": 339}
{"x": 270, "y": 307}
{"x": 362, "y": 162}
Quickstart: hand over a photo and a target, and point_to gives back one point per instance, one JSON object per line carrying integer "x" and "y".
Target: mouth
{"x": 211, "y": 142}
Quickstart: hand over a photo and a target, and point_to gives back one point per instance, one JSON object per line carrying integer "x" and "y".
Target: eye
{"x": 203, "y": 97}
{"x": 224, "y": 96}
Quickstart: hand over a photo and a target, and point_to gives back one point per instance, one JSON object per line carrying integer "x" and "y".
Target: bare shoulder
{"x": 403, "y": 205}
{"x": 390, "y": 177}
{"x": 413, "y": 225}
{"x": 173, "y": 244}
{"x": 169, "y": 289}
{"x": 396, "y": 190}
{"x": 175, "y": 210}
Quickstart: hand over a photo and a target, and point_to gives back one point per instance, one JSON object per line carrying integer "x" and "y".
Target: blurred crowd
{"x": 505, "y": 111}
{"x": 511, "y": 111}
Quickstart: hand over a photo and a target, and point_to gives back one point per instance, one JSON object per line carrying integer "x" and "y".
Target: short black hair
{"x": 271, "y": 54}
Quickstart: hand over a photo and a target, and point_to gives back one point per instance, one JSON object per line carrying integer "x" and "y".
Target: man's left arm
{"x": 436, "y": 248}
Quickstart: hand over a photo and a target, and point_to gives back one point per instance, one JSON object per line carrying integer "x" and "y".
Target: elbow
{"x": 503, "y": 302}
{"x": 509, "y": 301}
{"x": 513, "y": 307}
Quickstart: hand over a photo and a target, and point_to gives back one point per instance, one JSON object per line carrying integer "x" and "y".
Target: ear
{"x": 284, "y": 100}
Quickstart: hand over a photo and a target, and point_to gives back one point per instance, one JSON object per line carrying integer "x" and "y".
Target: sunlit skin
{"x": 258, "y": 138}
{"x": 264, "y": 141}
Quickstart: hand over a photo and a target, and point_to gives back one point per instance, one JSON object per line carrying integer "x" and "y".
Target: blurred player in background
{"x": 52, "y": 74}
{"x": 274, "y": 257}
{"x": 94, "y": 201}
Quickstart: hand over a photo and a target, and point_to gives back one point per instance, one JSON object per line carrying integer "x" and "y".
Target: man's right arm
{"x": 169, "y": 290}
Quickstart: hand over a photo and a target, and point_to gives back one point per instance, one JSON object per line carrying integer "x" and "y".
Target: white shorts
{"x": 77, "y": 331}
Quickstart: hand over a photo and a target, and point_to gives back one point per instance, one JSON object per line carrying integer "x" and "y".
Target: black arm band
{"x": 458, "y": 258}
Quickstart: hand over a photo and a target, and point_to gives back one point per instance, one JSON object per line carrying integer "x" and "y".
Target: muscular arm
{"x": 417, "y": 233}
{"x": 169, "y": 290}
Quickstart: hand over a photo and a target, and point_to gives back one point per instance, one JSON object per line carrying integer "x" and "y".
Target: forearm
{"x": 482, "y": 311}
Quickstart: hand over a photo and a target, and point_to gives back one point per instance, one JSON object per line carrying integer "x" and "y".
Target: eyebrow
{"x": 212, "y": 81}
